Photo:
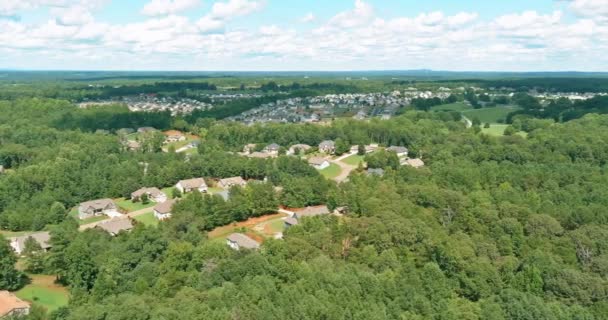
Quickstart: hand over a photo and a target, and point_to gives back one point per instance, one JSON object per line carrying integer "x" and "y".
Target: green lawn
{"x": 497, "y": 129}
{"x": 457, "y": 106}
{"x": 9, "y": 234}
{"x": 168, "y": 191}
{"x": 44, "y": 292}
{"x": 331, "y": 172}
{"x": 147, "y": 219}
{"x": 353, "y": 160}
{"x": 214, "y": 190}
{"x": 490, "y": 115}
{"x": 130, "y": 206}
{"x": 277, "y": 225}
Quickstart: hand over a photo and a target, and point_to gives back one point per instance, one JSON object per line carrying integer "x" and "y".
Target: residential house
{"x": 400, "y": 151}
{"x": 43, "y": 239}
{"x": 238, "y": 241}
{"x": 312, "y": 211}
{"x": 375, "y": 172}
{"x": 327, "y": 146}
{"x": 154, "y": 195}
{"x": 185, "y": 186}
{"x": 414, "y": 163}
{"x": 98, "y": 207}
{"x": 116, "y": 225}
{"x": 371, "y": 148}
{"x": 145, "y": 129}
{"x": 260, "y": 155}
{"x": 249, "y": 148}
{"x": 272, "y": 149}
{"x": 132, "y": 145}
{"x": 174, "y": 136}
{"x": 231, "y": 182}
{"x": 296, "y": 149}
{"x": 318, "y": 163}
{"x": 164, "y": 210}
{"x": 11, "y": 306}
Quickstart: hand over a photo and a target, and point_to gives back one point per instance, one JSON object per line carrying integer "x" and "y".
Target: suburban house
{"x": 231, "y": 182}
{"x": 311, "y": 212}
{"x": 154, "y": 195}
{"x": 174, "y": 136}
{"x": 414, "y": 163}
{"x": 238, "y": 241}
{"x": 318, "y": 163}
{"x": 400, "y": 151}
{"x": 132, "y": 145}
{"x": 185, "y": 186}
{"x": 11, "y": 306}
{"x": 98, "y": 207}
{"x": 249, "y": 148}
{"x": 163, "y": 210}
{"x": 272, "y": 149}
{"x": 306, "y": 212}
{"x": 145, "y": 129}
{"x": 298, "y": 148}
{"x": 43, "y": 239}
{"x": 260, "y": 155}
{"x": 371, "y": 148}
{"x": 116, "y": 225}
{"x": 327, "y": 146}
{"x": 375, "y": 172}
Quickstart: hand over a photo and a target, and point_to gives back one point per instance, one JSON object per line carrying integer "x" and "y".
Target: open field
{"x": 490, "y": 115}
{"x": 497, "y": 129}
{"x": 44, "y": 292}
{"x": 457, "y": 106}
{"x": 131, "y": 206}
{"x": 147, "y": 219}
{"x": 258, "y": 228}
{"x": 353, "y": 160}
{"x": 331, "y": 172}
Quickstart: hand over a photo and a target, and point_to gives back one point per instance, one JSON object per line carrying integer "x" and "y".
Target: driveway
{"x": 130, "y": 215}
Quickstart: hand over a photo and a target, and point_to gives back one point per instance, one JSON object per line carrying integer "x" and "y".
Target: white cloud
{"x": 235, "y": 8}
{"x": 76, "y": 15}
{"x": 591, "y": 8}
{"x": 310, "y": 17}
{"x": 462, "y": 18}
{"x": 165, "y": 7}
{"x": 362, "y": 14}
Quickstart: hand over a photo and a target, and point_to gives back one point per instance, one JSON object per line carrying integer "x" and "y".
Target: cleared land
{"x": 147, "y": 219}
{"x": 457, "y": 106}
{"x": 490, "y": 115}
{"x": 331, "y": 172}
{"x": 44, "y": 292}
{"x": 353, "y": 160}
{"x": 258, "y": 228}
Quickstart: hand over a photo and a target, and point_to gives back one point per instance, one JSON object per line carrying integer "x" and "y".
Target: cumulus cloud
{"x": 362, "y": 14}
{"x": 164, "y": 7}
{"x": 222, "y": 12}
{"x": 310, "y": 17}
{"x": 590, "y": 8}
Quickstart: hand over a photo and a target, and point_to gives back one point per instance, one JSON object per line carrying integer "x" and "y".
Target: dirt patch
{"x": 248, "y": 224}
{"x": 48, "y": 282}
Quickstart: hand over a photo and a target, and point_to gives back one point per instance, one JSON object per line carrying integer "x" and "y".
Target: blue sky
{"x": 515, "y": 35}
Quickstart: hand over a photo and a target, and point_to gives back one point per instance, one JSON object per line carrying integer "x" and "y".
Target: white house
{"x": 43, "y": 239}
{"x": 154, "y": 195}
{"x": 298, "y": 148}
{"x": 189, "y": 185}
{"x": 318, "y": 163}
{"x": 238, "y": 241}
{"x": 231, "y": 182}
{"x": 163, "y": 210}
{"x": 400, "y": 151}
{"x": 98, "y": 207}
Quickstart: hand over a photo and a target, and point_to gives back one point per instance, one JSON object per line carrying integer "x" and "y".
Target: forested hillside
{"x": 491, "y": 228}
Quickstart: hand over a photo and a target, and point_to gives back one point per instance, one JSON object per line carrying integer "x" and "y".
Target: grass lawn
{"x": 8, "y": 234}
{"x": 490, "y": 115}
{"x": 147, "y": 219}
{"x": 497, "y": 129}
{"x": 168, "y": 191}
{"x": 130, "y": 206}
{"x": 331, "y": 172}
{"x": 457, "y": 106}
{"x": 214, "y": 190}
{"x": 353, "y": 160}
{"x": 44, "y": 292}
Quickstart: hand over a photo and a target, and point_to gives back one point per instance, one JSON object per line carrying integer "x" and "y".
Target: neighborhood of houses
{"x": 152, "y": 102}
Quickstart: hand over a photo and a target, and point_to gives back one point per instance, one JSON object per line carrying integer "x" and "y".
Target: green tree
{"x": 10, "y": 278}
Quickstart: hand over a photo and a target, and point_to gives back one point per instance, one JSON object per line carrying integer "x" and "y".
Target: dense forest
{"x": 492, "y": 228}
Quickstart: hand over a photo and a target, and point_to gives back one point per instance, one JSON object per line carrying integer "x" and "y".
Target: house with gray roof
{"x": 98, "y": 207}
{"x": 189, "y": 185}
{"x": 400, "y": 151}
{"x": 231, "y": 182}
{"x": 312, "y": 212}
{"x": 327, "y": 146}
{"x": 164, "y": 210}
{"x": 154, "y": 194}
{"x": 116, "y": 225}
{"x": 42, "y": 238}
{"x": 272, "y": 149}
{"x": 238, "y": 241}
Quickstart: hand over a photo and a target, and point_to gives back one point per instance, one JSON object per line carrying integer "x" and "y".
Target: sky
{"x": 294, "y": 35}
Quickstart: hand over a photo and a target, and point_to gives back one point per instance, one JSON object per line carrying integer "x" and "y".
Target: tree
{"x": 10, "y": 278}
{"x": 342, "y": 146}
{"x": 34, "y": 256}
{"x": 486, "y": 125}
{"x": 175, "y": 193}
{"x": 145, "y": 199}
{"x": 361, "y": 150}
